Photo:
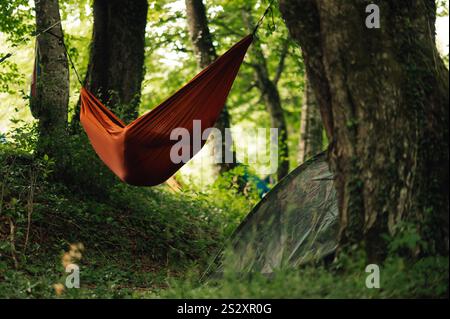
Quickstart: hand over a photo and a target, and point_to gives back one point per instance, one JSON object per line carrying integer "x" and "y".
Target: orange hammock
{"x": 139, "y": 153}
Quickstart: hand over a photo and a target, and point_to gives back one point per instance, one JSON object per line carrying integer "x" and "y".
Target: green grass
{"x": 134, "y": 238}
{"x": 427, "y": 278}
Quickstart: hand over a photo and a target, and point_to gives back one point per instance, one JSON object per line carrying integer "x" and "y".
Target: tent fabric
{"x": 139, "y": 153}
{"x": 295, "y": 223}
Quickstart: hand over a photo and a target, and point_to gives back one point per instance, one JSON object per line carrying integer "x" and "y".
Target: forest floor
{"x": 152, "y": 243}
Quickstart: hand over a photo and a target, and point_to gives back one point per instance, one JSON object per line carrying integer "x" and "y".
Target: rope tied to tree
{"x": 260, "y": 21}
{"x": 35, "y": 34}
{"x": 72, "y": 64}
{"x": 61, "y": 42}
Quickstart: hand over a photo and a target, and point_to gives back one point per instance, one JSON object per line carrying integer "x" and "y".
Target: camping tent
{"x": 294, "y": 223}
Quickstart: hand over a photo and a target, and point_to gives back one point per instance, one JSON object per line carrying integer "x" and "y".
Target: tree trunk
{"x": 310, "y": 126}
{"x": 271, "y": 98}
{"x": 116, "y": 63}
{"x": 205, "y": 53}
{"x": 50, "y": 105}
{"x": 383, "y": 95}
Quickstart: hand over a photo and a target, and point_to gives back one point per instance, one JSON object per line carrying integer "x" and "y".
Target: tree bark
{"x": 116, "y": 64}
{"x": 310, "y": 126}
{"x": 383, "y": 95}
{"x": 205, "y": 53}
{"x": 270, "y": 96}
{"x": 50, "y": 105}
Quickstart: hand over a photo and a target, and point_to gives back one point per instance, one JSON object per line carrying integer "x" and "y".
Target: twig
{"x": 30, "y": 208}
{"x": 227, "y": 28}
{"x": 3, "y": 58}
{"x": 12, "y": 239}
{"x": 253, "y": 65}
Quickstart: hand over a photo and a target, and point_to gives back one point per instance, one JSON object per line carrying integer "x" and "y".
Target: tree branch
{"x": 281, "y": 64}
{"x": 227, "y": 28}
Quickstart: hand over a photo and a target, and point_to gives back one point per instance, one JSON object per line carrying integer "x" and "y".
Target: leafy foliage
{"x": 142, "y": 242}
{"x": 123, "y": 228}
{"x": 16, "y": 20}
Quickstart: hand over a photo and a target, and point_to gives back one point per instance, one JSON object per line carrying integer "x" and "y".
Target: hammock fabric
{"x": 139, "y": 153}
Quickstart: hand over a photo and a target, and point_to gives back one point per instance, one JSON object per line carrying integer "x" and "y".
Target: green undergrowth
{"x": 154, "y": 243}
{"x": 134, "y": 238}
{"x": 426, "y": 278}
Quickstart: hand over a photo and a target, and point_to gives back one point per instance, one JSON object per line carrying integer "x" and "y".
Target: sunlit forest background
{"x": 170, "y": 63}
{"x": 133, "y": 242}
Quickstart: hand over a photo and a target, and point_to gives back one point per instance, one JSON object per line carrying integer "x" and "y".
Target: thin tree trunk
{"x": 270, "y": 96}
{"x": 272, "y": 101}
{"x": 50, "y": 105}
{"x": 384, "y": 101}
{"x": 116, "y": 64}
{"x": 205, "y": 53}
{"x": 310, "y": 126}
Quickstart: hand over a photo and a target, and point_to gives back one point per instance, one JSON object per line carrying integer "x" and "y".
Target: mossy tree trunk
{"x": 50, "y": 105}
{"x": 310, "y": 126}
{"x": 116, "y": 63}
{"x": 206, "y": 54}
{"x": 383, "y": 95}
